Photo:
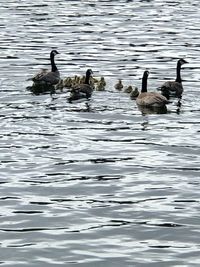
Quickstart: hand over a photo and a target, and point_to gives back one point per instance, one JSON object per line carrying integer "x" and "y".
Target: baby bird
{"x": 100, "y": 86}
{"x": 59, "y": 85}
{"x": 134, "y": 93}
{"x": 67, "y": 82}
{"x": 128, "y": 89}
{"x": 119, "y": 86}
{"x": 102, "y": 81}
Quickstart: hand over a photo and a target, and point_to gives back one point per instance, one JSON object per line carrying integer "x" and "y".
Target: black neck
{"x": 178, "y": 73}
{"x": 144, "y": 83}
{"x": 87, "y": 78}
{"x": 53, "y": 65}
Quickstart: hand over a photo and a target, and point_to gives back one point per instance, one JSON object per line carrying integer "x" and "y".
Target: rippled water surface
{"x": 99, "y": 183}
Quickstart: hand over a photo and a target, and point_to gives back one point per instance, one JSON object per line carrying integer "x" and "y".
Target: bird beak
{"x": 184, "y": 62}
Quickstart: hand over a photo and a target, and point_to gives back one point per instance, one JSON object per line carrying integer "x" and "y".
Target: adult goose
{"x": 150, "y": 99}
{"x": 46, "y": 77}
{"x": 174, "y": 88}
{"x": 83, "y": 90}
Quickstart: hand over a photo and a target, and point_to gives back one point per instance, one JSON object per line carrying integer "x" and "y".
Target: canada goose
{"x": 128, "y": 89}
{"x": 67, "y": 82}
{"x": 59, "y": 85}
{"x": 75, "y": 80}
{"x": 48, "y": 77}
{"x": 102, "y": 81}
{"x": 82, "y": 90}
{"x": 174, "y": 88}
{"x": 100, "y": 86}
{"x": 150, "y": 99}
{"x": 119, "y": 85}
{"x": 134, "y": 93}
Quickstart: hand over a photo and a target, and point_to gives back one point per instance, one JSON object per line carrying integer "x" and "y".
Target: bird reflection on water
{"x": 152, "y": 110}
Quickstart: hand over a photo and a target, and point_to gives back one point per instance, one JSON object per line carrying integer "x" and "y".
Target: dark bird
{"x": 83, "y": 90}
{"x": 150, "y": 99}
{"x": 119, "y": 86}
{"x": 48, "y": 77}
{"x": 174, "y": 88}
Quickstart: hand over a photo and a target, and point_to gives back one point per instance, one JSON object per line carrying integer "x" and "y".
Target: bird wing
{"x": 83, "y": 88}
{"x": 172, "y": 86}
{"x": 48, "y": 77}
{"x": 38, "y": 76}
{"x": 151, "y": 99}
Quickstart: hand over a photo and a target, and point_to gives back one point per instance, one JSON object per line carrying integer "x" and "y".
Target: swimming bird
{"x": 83, "y": 90}
{"x": 46, "y": 77}
{"x": 134, "y": 93}
{"x": 128, "y": 89}
{"x": 174, "y": 88}
{"x": 60, "y": 85}
{"x": 119, "y": 86}
{"x": 150, "y": 99}
{"x": 100, "y": 86}
{"x": 102, "y": 81}
{"x": 67, "y": 82}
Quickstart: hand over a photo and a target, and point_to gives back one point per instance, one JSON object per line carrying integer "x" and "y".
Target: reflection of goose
{"x": 152, "y": 110}
{"x": 119, "y": 85}
{"x": 174, "y": 88}
{"x": 48, "y": 77}
{"x": 150, "y": 99}
{"x": 82, "y": 90}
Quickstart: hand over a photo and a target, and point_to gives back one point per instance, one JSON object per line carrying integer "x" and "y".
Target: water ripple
{"x": 99, "y": 182}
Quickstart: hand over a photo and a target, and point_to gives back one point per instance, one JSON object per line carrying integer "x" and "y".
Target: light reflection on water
{"x": 99, "y": 183}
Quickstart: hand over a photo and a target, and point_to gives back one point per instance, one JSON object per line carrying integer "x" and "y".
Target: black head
{"x": 182, "y": 61}
{"x": 89, "y": 72}
{"x": 146, "y": 74}
{"x": 54, "y": 52}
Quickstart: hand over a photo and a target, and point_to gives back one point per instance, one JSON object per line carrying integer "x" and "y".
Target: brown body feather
{"x": 150, "y": 99}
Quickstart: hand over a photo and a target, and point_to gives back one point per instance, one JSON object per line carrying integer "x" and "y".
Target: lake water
{"x": 98, "y": 183}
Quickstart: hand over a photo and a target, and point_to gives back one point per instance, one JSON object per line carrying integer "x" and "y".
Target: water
{"x": 98, "y": 183}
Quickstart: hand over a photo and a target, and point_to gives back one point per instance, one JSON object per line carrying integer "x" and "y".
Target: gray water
{"x": 99, "y": 183}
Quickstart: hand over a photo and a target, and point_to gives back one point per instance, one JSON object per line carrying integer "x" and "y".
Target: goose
{"x": 75, "y": 80}
{"x": 134, "y": 93}
{"x": 83, "y": 90}
{"x": 119, "y": 86}
{"x": 102, "y": 81}
{"x": 60, "y": 85}
{"x": 100, "y": 86}
{"x": 67, "y": 82}
{"x": 46, "y": 77}
{"x": 174, "y": 88}
{"x": 128, "y": 89}
{"x": 150, "y": 99}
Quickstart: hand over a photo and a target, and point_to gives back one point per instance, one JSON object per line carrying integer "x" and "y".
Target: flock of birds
{"x": 83, "y": 87}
